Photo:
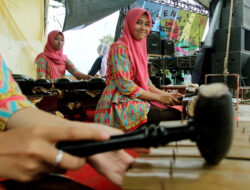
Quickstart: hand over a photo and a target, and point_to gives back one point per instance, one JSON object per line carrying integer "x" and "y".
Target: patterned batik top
{"x": 43, "y": 70}
{"x": 119, "y": 105}
{"x": 11, "y": 97}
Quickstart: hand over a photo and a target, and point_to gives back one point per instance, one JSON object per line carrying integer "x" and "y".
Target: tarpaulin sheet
{"x": 80, "y": 13}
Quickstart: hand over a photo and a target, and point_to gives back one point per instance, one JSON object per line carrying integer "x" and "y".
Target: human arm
{"x": 112, "y": 165}
{"x": 27, "y": 148}
{"x": 42, "y": 138}
{"x": 41, "y": 67}
{"x": 96, "y": 66}
{"x": 11, "y": 97}
{"x": 120, "y": 68}
{"x": 155, "y": 94}
{"x": 171, "y": 97}
{"x": 75, "y": 72}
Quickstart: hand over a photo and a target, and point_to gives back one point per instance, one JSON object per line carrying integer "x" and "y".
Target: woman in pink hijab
{"x": 52, "y": 63}
{"x": 130, "y": 99}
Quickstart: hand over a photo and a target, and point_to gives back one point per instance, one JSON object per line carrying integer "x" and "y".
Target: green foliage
{"x": 108, "y": 39}
{"x": 62, "y": 2}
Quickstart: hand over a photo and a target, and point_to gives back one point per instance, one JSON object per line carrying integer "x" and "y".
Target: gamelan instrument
{"x": 69, "y": 97}
{"x": 211, "y": 128}
{"x": 27, "y": 84}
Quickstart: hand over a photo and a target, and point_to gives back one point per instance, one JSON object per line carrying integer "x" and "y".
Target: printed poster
{"x": 185, "y": 28}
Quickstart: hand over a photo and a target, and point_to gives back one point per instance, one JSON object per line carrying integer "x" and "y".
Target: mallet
{"x": 211, "y": 128}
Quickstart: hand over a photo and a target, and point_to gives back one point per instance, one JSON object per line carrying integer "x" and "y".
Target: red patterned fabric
{"x": 119, "y": 105}
{"x": 43, "y": 69}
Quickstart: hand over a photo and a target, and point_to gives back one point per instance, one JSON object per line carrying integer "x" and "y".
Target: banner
{"x": 185, "y": 28}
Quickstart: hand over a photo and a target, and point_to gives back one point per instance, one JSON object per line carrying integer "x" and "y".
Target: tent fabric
{"x": 80, "y": 13}
{"x": 21, "y": 34}
{"x": 205, "y": 3}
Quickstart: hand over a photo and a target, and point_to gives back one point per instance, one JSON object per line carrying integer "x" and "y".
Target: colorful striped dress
{"x": 119, "y": 105}
{"x": 11, "y": 97}
{"x": 43, "y": 69}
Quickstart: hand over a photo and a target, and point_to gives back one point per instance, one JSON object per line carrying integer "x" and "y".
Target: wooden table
{"x": 179, "y": 165}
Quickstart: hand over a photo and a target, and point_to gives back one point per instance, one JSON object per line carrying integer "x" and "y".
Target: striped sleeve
{"x": 42, "y": 68}
{"x": 120, "y": 67}
{"x": 11, "y": 97}
{"x": 72, "y": 69}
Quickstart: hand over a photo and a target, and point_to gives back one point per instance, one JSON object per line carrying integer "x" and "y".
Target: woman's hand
{"x": 161, "y": 96}
{"x": 28, "y": 147}
{"x": 169, "y": 98}
{"x": 28, "y": 152}
{"x": 84, "y": 77}
{"x": 112, "y": 165}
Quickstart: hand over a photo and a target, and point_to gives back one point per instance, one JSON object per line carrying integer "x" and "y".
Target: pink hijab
{"x": 56, "y": 57}
{"x": 137, "y": 48}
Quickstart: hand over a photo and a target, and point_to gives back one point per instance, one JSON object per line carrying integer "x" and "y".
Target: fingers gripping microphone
{"x": 211, "y": 128}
